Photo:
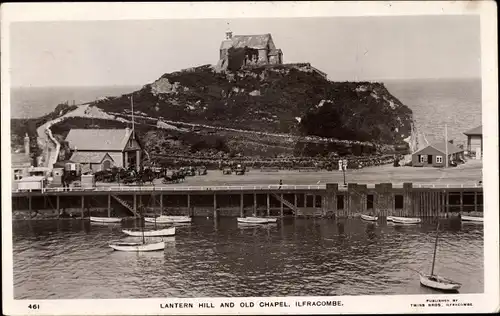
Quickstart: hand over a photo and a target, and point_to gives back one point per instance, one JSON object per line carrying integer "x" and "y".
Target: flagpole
{"x": 446, "y": 144}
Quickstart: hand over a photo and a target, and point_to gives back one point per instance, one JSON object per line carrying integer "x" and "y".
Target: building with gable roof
{"x": 475, "y": 141}
{"x": 434, "y": 155}
{"x": 101, "y": 149}
{"x": 248, "y": 50}
{"x": 21, "y": 162}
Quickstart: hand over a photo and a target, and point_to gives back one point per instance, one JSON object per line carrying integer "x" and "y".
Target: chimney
{"x": 27, "y": 145}
{"x": 229, "y": 35}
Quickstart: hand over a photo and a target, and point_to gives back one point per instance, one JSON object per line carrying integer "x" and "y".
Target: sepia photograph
{"x": 217, "y": 161}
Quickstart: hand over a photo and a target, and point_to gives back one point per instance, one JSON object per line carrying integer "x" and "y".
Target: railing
{"x": 179, "y": 188}
{"x": 125, "y": 188}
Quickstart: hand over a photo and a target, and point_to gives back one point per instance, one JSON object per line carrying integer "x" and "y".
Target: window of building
{"x": 340, "y": 202}
{"x": 421, "y": 158}
{"x": 398, "y": 201}
{"x": 318, "y": 201}
{"x": 439, "y": 159}
{"x": 369, "y": 201}
{"x": 18, "y": 174}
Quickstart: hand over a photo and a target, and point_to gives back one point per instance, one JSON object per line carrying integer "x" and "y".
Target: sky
{"x": 102, "y": 53}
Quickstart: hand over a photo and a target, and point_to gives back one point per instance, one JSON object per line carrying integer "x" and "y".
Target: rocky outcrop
{"x": 270, "y": 101}
{"x": 290, "y": 98}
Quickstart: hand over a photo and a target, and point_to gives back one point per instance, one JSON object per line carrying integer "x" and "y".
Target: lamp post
{"x": 344, "y": 168}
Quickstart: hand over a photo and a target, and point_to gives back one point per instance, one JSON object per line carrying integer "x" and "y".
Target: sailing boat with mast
{"x": 435, "y": 281}
{"x": 170, "y": 231}
{"x": 139, "y": 246}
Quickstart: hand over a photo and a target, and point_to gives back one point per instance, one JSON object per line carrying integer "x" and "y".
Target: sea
{"x": 71, "y": 259}
{"x": 435, "y": 103}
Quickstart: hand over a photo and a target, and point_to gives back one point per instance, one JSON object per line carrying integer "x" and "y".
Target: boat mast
{"x": 446, "y": 145}
{"x": 132, "y": 105}
{"x": 435, "y": 248}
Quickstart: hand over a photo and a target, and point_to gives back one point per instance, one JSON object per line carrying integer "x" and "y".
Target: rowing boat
{"x": 405, "y": 220}
{"x": 256, "y": 220}
{"x": 369, "y": 218}
{"x": 168, "y": 219}
{"x": 105, "y": 219}
{"x": 151, "y": 233}
{"x": 471, "y": 219}
{"x": 138, "y": 247}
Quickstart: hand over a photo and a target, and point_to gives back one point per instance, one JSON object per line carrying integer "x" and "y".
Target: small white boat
{"x": 138, "y": 246}
{"x": 439, "y": 283}
{"x": 434, "y": 281}
{"x": 389, "y": 218}
{"x": 405, "y": 220}
{"x": 369, "y": 218}
{"x": 168, "y": 219}
{"x": 256, "y": 220}
{"x": 151, "y": 233}
{"x": 471, "y": 219}
{"x": 105, "y": 219}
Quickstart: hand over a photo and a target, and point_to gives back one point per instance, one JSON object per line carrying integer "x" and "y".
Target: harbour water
{"x": 71, "y": 259}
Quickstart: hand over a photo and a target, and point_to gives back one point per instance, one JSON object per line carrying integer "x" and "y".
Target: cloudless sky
{"x": 94, "y": 53}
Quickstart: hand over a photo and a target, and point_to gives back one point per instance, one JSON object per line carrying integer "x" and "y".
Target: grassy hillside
{"x": 284, "y": 104}
{"x": 282, "y": 98}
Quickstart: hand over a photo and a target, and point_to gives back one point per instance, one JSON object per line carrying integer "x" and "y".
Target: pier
{"x": 330, "y": 200}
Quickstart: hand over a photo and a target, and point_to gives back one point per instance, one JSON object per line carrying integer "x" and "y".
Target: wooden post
{"x": 314, "y": 200}
{"x": 135, "y": 205}
{"x": 295, "y": 204}
{"x": 268, "y": 205}
{"x": 29, "y": 204}
{"x": 461, "y": 201}
{"x": 57, "y": 204}
{"x": 281, "y": 207}
{"x": 215, "y": 205}
{"x": 475, "y": 201}
{"x": 189, "y": 204}
{"x": 305, "y": 200}
{"x": 255, "y": 204}
{"x": 161, "y": 204}
{"x": 447, "y": 202}
{"x": 109, "y": 205}
{"x": 242, "y": 211}
{"x": 83, "y": 204}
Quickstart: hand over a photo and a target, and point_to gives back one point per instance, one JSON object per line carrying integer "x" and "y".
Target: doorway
{"x": 429, "y": 159}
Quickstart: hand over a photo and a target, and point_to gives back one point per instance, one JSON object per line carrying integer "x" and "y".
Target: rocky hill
{"x": 289, "y": 107}
{"x": 280, "y": 98}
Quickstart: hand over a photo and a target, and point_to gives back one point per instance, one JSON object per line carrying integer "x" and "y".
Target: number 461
{"x": 34, "y": 306}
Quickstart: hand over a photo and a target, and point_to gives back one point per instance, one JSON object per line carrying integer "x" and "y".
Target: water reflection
{"x": 219, "y": 257}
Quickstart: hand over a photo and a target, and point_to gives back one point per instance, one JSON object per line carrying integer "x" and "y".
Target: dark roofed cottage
{"x": 101, "y": 149}
{"x": 433, "y": 155}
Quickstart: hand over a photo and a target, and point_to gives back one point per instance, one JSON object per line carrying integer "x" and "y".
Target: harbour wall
{"x": 331, "y": 200}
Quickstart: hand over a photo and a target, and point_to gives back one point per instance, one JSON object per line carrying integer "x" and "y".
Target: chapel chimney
{"x": 229, "y": 35}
